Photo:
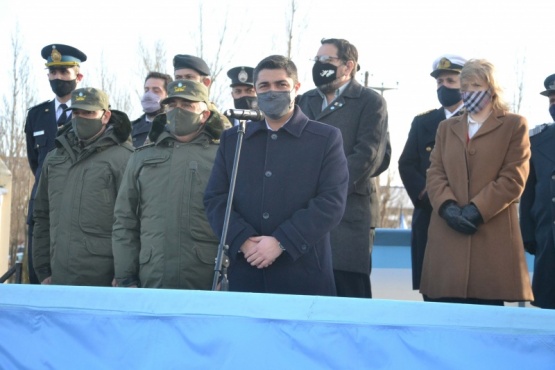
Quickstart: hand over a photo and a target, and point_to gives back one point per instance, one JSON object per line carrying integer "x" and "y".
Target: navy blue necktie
{"x": 63, "y": 117}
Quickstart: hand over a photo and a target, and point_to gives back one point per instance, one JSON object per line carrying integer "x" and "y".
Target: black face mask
{"x": 246, "y": 102}
{"x": 448, "y": 97}
{"x": 323, "y": 73}
{"x": 552, "y": 111}
{"x": 62, "y": 87}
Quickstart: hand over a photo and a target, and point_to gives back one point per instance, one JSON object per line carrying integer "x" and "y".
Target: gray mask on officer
{"x": 86, "y": 128}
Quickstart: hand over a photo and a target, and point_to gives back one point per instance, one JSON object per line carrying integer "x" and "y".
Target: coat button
{"x": 472, "y": 151}
{"x": 274, "y": 136}
{"x": 553, "y": 177}
{"x": 268, "y": 173}
{"x": 304, "y": 247}
{"x": 553, "y": 200}
{"x": 428, "y": 148}
{"x": 265, "y": 215}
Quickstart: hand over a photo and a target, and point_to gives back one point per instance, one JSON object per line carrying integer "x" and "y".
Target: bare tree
{"x": 290, "y": 25}
{"x": 13, "y": 112}
{"x": 152, "y": 61}
{"x": 108, "y": 82}
{"x": 293, "y": 28}
{"x": 520, "y": 68}
{"x": 393, "y": 202}
{"x": 217, "y": 57}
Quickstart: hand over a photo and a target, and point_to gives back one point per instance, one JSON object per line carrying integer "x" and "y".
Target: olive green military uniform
{"x": 74, "y": 206}
{"x": 161, "y": 236}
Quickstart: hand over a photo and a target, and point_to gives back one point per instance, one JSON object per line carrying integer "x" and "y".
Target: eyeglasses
{"x": 323, "y": 58}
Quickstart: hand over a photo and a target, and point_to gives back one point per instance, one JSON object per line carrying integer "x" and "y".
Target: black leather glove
{"x": 530, "y": 247}
{"x": 471, "y": 213}
{"x": 452, "y": 213}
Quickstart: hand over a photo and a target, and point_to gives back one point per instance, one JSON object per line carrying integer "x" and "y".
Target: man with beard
{"x": 45, "y": 119}
{"x": 161, "y": 236}
{"x": 415, "y": 158}
{"x": 76, "y": 194}
{"x": 242, "y": 89}
{"x": 361, "y": 115}
{"x": 156, "y": 89}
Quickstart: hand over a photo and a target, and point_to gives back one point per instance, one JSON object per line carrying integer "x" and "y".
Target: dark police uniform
{"x": 415, "y": 160}
{"x": 537, "y": 208}
{"x": 41, "y": 130}
{"x": 140, "y": 129}
{"x": 537, "y": 214}
{"x": 413, "y": 163}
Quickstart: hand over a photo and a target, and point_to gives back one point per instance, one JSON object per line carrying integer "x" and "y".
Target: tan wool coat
{"x": 489, "y": 171}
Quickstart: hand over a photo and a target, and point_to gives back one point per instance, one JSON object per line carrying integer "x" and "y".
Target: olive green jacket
{"x": 74, "y": 206}
{"x": 161, "y": 237}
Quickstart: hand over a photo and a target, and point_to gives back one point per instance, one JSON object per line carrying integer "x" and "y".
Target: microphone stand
{"x": 222, "y": 259}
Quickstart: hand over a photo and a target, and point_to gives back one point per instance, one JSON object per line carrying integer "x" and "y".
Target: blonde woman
{"x": 478, "y": 171}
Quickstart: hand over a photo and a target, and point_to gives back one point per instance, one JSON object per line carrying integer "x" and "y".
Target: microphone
{"x": 244, "y": 114}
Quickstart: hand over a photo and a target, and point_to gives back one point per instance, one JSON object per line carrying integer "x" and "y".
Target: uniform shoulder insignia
{"x": 538, "y": 129}
{"x": 426, "y": 112}
{"x": 40, "y": 104}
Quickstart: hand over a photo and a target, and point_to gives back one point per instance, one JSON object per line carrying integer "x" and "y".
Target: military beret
{"x": 241, "y": 76}
{"x": 90, "y": 99}
{"x": 188, "y": 90}
{"x": 447, "y": 62}
{"x": 62, "y": 55}
{"x": 188, "y": 61}
{"x": 549, "y": 84}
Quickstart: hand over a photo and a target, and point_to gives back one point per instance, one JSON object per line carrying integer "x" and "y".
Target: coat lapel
{"x": 491, "y": 123}
{"x": 352, "y": 90}
{"x": 460, "y": 129}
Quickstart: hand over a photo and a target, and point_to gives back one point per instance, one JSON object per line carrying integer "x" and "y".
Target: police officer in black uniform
{"x": 242, "y": 89}
{"x": 537, "y": 206}
{"x": 46, "y": 119}
{"x": 415, "y": 158}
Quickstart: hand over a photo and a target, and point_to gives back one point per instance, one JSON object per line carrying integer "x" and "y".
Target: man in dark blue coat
{"x": 45, "y": 119}
{"x": 415, "y": 158}
{"x": 290, "y": 192}
{"x": 361, "y": 115}
{"x": 537, "y": 206}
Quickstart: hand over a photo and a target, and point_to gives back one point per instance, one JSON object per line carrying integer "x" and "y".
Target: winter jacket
{"x": 74, "y": 206}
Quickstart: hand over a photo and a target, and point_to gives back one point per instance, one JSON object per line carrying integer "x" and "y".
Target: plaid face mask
{"x": 475, "y": 101}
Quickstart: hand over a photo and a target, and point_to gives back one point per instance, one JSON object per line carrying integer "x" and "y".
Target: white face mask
{"x": 150, "y": 102}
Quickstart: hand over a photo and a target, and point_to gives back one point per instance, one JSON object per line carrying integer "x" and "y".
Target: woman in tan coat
{"x": 478, "y": 170}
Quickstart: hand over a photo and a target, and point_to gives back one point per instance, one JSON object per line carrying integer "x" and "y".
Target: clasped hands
{"x": 462, "y": 219}
{"x": 261, "y": 251}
